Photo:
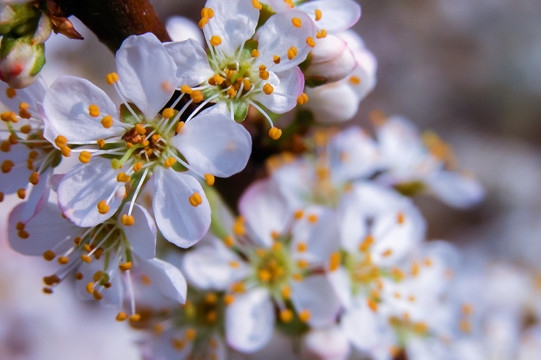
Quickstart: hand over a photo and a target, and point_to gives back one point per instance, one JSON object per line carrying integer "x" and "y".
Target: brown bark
{"x": 114, "y": 20}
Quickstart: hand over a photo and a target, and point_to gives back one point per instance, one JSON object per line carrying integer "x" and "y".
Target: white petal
{"x": 279, "y": 34}
{"x": 326, "y": 343}
{"x": 36, "y": 194}
{"x": 46, "y": 231}
{"x": 84, "y": 187}
{"x": 179, "y": 221}
{"x": 166, "y": 277}
{"x": 249, "y": 321}
{"x": 213, "y": 144}
{"x": 265, "y": 209}
{"x": 336, "y": 15}
{"x": 332, "y": 103}
{"x": 32, "y": 95}
{"x": 192, "y": 63}
{"x": 316, "y": 295}
{"x": 208, "y": 266}
{"x": 288, "y": 85}
{"x": 352, "y": 223}
{"x": 353, "y": 155}
{"x": 234, "y": 21}
{"x": 341, "y": 283}
{"x": 142, "y": 234}
{"x": 181, "y": 28}
{"x": 147, "y": 73}
{"x": 455, "y": 189}
{"x": 66, "y": 107}
{"x": 331, "y": 60}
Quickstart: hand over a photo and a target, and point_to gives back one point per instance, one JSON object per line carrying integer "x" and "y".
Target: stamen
{"x": 107, "y": 121}
{"x": 257, "y": 4}
{"x": 195, "y": 199}
{"x": 94, "y": 110}
{"x": 275, "y": 133}
{"x": 296, "y": 22}
{"x": 209, "y": 178}
{"x": 318, "y": 14}
{"x": 111, "y": 78}
{"x": 85, "y": 157}
{"x": 292, "y": 52}
{"x": 215, "y": 40}
{"x": 310, "y": 41}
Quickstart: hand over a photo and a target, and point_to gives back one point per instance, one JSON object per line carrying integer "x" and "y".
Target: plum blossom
{"x": 246, "y": 67}
{"x": 105, "y": 260}
{"x": 272, "y": 255}
{"x": 120, "y": 148}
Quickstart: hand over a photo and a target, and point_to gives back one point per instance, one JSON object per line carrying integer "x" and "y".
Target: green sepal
{"x": 241, "y": 111}
{"x": 40, "y": 59}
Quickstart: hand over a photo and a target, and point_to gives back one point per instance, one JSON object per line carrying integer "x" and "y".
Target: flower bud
{"x": 20, "y": 61}
{"x": 15, "y": 17}
{"x": 331, "y": 61}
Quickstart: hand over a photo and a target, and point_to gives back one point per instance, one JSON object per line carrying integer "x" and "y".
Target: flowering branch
{"x": 114, "y": 20}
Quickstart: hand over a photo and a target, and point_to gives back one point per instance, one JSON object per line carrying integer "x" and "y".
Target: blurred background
{"x": 469, "y": 70}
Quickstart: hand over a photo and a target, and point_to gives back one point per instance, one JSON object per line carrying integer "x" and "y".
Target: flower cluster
{"x": 325, "y": 245}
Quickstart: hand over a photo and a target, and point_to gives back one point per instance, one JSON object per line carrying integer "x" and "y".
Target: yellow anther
{"x": 257, "y": 4}
{"x": 34, "y": 178}
{"x": 207, "y": 12}
{"x": 13, "y": 139}
{"x": 5, "y": 146}
{"x": 411, "y": 298}
{"x": 318, "y": 14}
{"x": 387, "y": 253}
{"x": 298, "y": 214}
{"x": 63, "y": 260}
{"x": 190, "y": 334}
{"x": 178, "y": 344}
{"x": 100, "y": 143}
{"x": 47, "y": 290}
{"x": 275, "y": 133}
{"x": 127, "y": 220}
{"x": 286, "y": 315}
{"x": 276, "y": 246}
{"x": 255, "y": 53}
{"x": 302, "y": 99}
{"x": 11, "y": 93}
{"x": 195, "y": 199}
{"x": 310, "y": 41}
{"x": 65, "y": 151}
{"x": 179, "y": 126}
{"x": 312, "y": 218}
{"x": 168, "y": 113}
{"x": 97, "y": 275}
{"x": 275, "y": 234}
{"x": 286, "y": 292}
{"x": 211, "y": 317}
{"x": 231, "y": 92}
{"x": 158, "y": 329}
{"x": 372, "y": 304}
{"x": 229, "y": 241}
{"x": 427, "y": 262}
{"x": 355, "y": 80}
{"x": 25, "y": 129}
{"x": 465, "y": 326}
{"x": 78, "y": 276}
{"x": 87, "y": 248}
{"x": 122, "y": 177}
{"x": 21, "y": 194}
{"x": 97, "y": 295}
{"x": 215, "y": 40}
{"x": 420, "y": 328}
{"x": 137, "y": 166}
{"x": 297, "y": 277}
{"x": 135, "y": 317}
{"x": 292, "y": 52}
{"x": 169, "y": 162}
{"x": 334, "y": 261}
{"x": 400, "y": 218}
{"x": 238, "y": 226}
{"x": 367, "y": 242}
{"x": 103, "y": 208}
{"x": 211, "y": 298}
{"x": 51, "y": 280}
{"x": 302, "y": 264}
{"x": 111, "y": 78}
{"x": 121, "y": 316}
{"x": 302, "y": 247}
{"x": 415, "y": 268}
{"x": 186, "y": 89}
{"x": 125, "y": 266}
{"x": 229, "y": 299}
{"x": 238, "y": 287}
{"x": 7, "y": 165}
{"x": 49, "y": 255}
{"x": 305, "y": 315}
{"x": 234, "y": 264}
{"x": 321, "y": 34}
{"x": 203, "y": 22}
{"x": 467, "y": 309}
{"x": 94, "y": 110}
{"x": 276, "y": 59}
{"x": 264, "y": 75}
{"x": 209, "y": 178}
{"x": 85, "y": 157}
{"x": 87, "y": 259}
{"x": 197, "y": 96}
{"x": 140, "y": 129}
{"x": 60, "y": 141}
{"x": 218, "y": 79}
{"x": 296, "y": 22}
{"x": 264, "y": 275}
{"x": 33, "y": 154}
{"x": 107, "y": 121}
{"x": 9, "y": 117}
{"x": 90, "y": 287}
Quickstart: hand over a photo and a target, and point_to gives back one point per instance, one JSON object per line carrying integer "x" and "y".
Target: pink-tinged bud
{"x": 331, "y": 60}
{"x": 20, "y": 62}
{"x": 325, "y": 344}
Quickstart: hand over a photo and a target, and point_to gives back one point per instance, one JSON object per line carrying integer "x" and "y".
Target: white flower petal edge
{"x": 84, "y": 187}
{"x": 288, "y": 86}
{"x": 147, "y": 73}
{"x": 142, "y": 234}
{"x": 336, "y": 15}
{"x": 67, "y": 105}
{"x": 168, "y": 278}
{"x": 455, "y": 189}
{"x": 192, "y": 62}
{"x": 214, "y": 144}
{"x": 179, "y": 221}
{"x": 249, "y": 321}
{"x": 234, "y": 21}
